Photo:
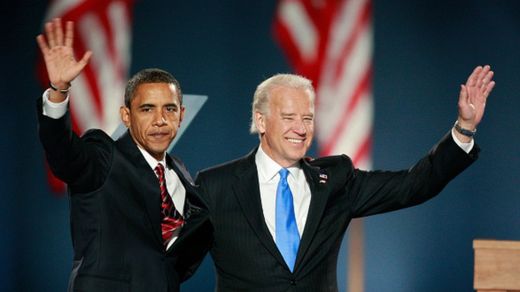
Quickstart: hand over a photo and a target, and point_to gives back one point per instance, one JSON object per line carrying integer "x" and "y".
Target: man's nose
{"x": 299, "y": 127}
{"x": 159, "y": 118}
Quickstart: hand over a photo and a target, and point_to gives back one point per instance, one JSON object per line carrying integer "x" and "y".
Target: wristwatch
{"x": 465, "y": 132}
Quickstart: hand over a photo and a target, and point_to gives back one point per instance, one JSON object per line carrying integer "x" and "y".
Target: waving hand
{"x": 58, "y": 53}
{"x": 472, "y": 98}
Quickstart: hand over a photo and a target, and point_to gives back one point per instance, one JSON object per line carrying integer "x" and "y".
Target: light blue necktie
{"x": 287, "y": 236}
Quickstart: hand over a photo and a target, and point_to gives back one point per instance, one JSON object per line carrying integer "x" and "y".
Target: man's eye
{"x": 146, "y": 109}
{"x": 171, "y": 109}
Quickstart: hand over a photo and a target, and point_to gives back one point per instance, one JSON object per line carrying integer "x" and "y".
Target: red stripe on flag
{"x": 362, "y": 87}
{"x": 90, "y": 76}
{"x": 363, "y": 19}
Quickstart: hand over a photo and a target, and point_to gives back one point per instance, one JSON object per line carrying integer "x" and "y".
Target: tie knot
{"x": 159, "y": 170}
{"x": 283, "y": 174}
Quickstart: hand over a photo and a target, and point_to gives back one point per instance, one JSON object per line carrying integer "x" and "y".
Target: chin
{"x": 159, "y": 149}
{"x": 296, "y": 158}
{"x": 299, "y": 152}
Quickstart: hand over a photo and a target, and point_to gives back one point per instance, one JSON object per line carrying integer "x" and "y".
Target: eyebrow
{"x": 146, "y": 105}
{"x": 293, "y": 114}
{"x": 153, "y": 105}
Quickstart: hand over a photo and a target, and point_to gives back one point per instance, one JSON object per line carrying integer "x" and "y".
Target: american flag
{"x": 330, "y": 42}
{"x": 104, "y": 27}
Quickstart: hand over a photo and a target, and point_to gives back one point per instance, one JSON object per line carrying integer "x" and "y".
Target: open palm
{"x": 473, "y": 96}
{"x": 56, "y": 47}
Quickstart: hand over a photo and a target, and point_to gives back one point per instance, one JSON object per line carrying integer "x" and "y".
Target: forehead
{"x": 163, "y": 92}
{"x": 290, "y": 99}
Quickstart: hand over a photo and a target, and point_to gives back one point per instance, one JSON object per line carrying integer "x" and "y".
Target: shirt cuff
{"x": 467, "y": 147}
{"x": 51, "y": 109}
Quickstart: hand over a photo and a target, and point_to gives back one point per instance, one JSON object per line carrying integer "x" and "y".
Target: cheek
{"x": 284, "y": 128}
{"x": 139, "y": 126}
{"x": 174, "y": 118}
{"x": 310, "y": 129}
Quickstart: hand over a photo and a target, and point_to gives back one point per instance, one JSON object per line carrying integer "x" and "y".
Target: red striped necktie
{"x": 171, "y": 219}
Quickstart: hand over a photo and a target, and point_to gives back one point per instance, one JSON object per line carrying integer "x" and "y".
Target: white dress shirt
{"x": 174, "y": 186}
{"x": 268, "y": 179}
{"x": 173, "y": 183}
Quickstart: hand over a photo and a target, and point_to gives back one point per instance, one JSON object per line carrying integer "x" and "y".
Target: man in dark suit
{"x": 279, "y": 217}
{"x": 137, "y": 222}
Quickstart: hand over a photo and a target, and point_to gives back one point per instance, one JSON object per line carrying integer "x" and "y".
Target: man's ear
{"x": 260, "y": 122}
{"x": 181, "y": 116}
{"x": 125, "y": 115}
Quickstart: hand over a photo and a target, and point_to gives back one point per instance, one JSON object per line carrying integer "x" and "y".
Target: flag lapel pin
{"x": 323, "y": 178}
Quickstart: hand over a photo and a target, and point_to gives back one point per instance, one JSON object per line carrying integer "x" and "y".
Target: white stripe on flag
{"x": 60, "y": 7}
{"x": 334, "y": 97}
{"x": 82, "y": 106}
{"x": 119, "y": 21}
{"x": 343, "y": 26}
{"x": 351, "y": 139}
{"x": 301, "y": 28}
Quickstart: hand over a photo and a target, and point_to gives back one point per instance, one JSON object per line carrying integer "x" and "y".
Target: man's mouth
{"x": 295, "y": 141}
{"x": 159, "y": 134}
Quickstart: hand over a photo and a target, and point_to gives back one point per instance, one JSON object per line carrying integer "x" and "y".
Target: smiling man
{"x": 280, "y": 218}
{"x": 286, "y": 125}
{"x": 137, "y": 222}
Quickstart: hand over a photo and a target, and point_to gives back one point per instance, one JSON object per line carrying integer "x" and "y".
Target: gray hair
{"x": 263, "y": 93}
{"x": 150, "y": 75}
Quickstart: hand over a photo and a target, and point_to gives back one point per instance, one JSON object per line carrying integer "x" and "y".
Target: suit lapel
{"x": 247, "y": 192}
{"x": 319, "y": 197}
{"x": 148, "y": 192}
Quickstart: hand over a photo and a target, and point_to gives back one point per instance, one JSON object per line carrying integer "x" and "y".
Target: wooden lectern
{"x": 497, "y": 266}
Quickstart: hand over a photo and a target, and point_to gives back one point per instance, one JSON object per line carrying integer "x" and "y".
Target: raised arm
{"x": 58, "y": 53}
{"x": 472, "y": 100}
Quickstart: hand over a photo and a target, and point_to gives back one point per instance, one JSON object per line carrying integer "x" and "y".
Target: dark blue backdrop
{"x": 423, "y": 51}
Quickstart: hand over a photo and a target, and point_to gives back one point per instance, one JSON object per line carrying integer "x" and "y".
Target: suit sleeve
{"x": 82, "y": 163}
{"x": 373, "y": 192}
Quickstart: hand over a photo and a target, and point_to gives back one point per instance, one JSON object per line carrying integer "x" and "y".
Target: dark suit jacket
{"x": 245, "y": 255}
{"x": 115, "y": 213}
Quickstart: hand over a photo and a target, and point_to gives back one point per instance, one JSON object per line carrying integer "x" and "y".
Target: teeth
{"x": 294, "y": 140}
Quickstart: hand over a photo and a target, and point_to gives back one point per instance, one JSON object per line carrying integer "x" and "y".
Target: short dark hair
{"x": 150, "y": 75}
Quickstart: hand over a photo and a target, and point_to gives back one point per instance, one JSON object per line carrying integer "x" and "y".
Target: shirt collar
{"x": 152, "y": 161}
{"x": 268, "y": 168}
